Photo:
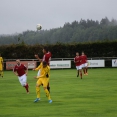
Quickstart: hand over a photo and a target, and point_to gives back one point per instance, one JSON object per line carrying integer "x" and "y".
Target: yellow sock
{"x": 38, "y": 92}
{"x": 47, "y": 94}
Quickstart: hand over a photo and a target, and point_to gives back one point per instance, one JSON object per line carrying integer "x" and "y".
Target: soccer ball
{"x": 39, "y": 27}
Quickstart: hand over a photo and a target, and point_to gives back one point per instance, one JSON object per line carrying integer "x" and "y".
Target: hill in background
{"x": 82, "y": 31}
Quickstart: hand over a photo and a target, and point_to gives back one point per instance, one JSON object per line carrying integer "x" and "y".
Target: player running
{"x": 46, "y": 57}
{"x": 43, "y": 79}
{"x": 78, "y": 62}
{"x": 21, "y": 71}
{"x": 1, "y": 66}
{"x": 84, "y": 63}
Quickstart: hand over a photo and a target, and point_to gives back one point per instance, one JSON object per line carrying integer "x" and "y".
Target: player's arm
{"x": 26, "y": 70}
{"x": 39, "y": 67}
{"x": 15, "y": 72}
{"x": 37, "y": 77}
{"x": 36, "y": 69}
{"x": 81, "y": 59}
{"x": 74, "y": 60}
{"x": 37, "y": 57}
{"x": 41, "y": 76}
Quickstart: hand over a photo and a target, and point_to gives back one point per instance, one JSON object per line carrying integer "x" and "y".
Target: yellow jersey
{"x": 39, "y": 67}
{"x": 44, "y": 72}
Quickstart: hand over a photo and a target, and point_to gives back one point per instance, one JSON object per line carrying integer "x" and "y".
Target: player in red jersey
{"x": 84, "y": 63}
{"x": 77, "y": 61}
{"x": 21, "y": 71}
{"x": 46, "y": 57}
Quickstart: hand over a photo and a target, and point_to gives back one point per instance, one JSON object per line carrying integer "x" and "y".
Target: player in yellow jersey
{"x": 1, "y": 66}
{"x": 43, "y": 79}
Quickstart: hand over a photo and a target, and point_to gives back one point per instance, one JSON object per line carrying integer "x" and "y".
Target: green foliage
{"x": 83, "y": 31}
{"x": 60, "y": 50}
{"x": 93, "y": 96}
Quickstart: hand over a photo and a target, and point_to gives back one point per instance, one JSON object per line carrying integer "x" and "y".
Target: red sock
{"x": 86, "y": 70}
{"x": 26, "y": 87}
{"x": 81, "y": 75}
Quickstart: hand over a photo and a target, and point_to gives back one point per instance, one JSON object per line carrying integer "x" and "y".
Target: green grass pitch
{"x": 93, "y": 96}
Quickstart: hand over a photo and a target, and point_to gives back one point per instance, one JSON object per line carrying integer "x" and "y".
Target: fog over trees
{"x": 75, "y": 32}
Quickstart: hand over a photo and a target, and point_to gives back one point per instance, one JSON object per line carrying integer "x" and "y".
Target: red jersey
{"x": 47, "y": 57}
{"x": 78, "y": 60}
{"x": 84, "y": 59}
{"x": 20, "y": 69}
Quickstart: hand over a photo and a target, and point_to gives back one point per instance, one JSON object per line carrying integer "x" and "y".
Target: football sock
{"x": 86, "y": 70}
{"x": 26, "y": 87}
{"x": 47, "y": 94}
{"x": 78, "y": 74}
{"x": 38, "y": 92}
{"x": 81, "y": 75}
{"x": 48, "y": 88}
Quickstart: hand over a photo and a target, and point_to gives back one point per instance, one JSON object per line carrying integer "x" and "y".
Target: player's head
{"x": 18, "y": 62}
{"x": 44, "y": 63}
{"x": 45, "y": 50}
{"x": 77, "y": 53}
{"x": 83, "y": 53}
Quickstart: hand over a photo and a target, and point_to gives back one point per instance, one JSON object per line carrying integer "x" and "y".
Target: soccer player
{"x": 43, "y": 79}
{"x": 77, "y": 61}
{"x": 1, "y": 66}
{"x": 21, "y": 71}
{"x": 84, "y": 63}
{"x": 46, "y": 57}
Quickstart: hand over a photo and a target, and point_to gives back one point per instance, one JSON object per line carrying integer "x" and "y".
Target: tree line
{"x": 75, "y": 32}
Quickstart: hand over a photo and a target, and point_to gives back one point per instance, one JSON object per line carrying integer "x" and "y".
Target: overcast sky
{"x": 21, "y": 15}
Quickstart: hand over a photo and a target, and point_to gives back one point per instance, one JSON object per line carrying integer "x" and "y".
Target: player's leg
{"x": 45, "y": 83}
{"x": 77, "y": 71}
{"x": 26, "y": 87}
{"x": 25, "y": 83}
{"x": 80, "y": 71}
{"x": 83, "y": 67}
{"x": 86, "y": 68}
{"x": 1, "y": 71}
{"x": 48, "y": 87}
{"x": 38, "y": 84}
{"x": 2, "y": 74}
